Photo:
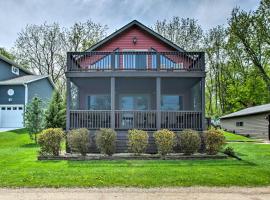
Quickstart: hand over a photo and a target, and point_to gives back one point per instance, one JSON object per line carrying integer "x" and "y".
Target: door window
{"x": 99, "y": 102}
{"x": 171, "y": 102}
{"x": 134, "y": 102}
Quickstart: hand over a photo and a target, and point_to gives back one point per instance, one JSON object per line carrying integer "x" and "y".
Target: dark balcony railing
{"x": 146, "y": 120}
{"x": 136, "y": 60}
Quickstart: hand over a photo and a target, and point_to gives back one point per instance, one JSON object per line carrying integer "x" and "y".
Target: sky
{"x": 16, "y": 14}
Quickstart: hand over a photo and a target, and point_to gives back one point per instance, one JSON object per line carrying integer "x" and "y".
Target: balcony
{"x": 135, "y": 61}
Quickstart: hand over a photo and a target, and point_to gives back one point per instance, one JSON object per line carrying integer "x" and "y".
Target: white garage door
{"x": 11, "y": 116}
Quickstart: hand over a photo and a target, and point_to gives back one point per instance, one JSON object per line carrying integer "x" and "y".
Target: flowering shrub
{"x": 50, "y": 141}
{"x": 137, "y": 141}
{"x": 79, "y": 140}
{"x": 214, "y": 141}
{"x": 105, "y": 140}
{"x": 165, "y": 141}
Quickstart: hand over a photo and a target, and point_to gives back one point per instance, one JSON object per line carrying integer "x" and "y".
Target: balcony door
{"x": 135, "y": 59}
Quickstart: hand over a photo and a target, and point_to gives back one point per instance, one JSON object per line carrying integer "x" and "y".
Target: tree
{"x": 56, "y": 113}
{"x": 34, "y": 117}
{"x": 6, "y": 54}
{"x": 186, "y": 33}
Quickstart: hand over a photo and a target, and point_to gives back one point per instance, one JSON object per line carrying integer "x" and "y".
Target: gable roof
{"x": 21, "y": 80}
{"x": 249, "y": 111}
{"x": 12, "y": 63}
{"x": 145, "y": 28}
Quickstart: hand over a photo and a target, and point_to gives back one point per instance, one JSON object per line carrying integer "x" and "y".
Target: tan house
{"x": 253, "y": 121}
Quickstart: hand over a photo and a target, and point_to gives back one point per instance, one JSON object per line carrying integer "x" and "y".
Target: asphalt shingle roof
{"x": 249, "y": 111}
{"x": 22, "y": 79}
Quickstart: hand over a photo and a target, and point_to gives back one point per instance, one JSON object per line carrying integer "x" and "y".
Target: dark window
{"x": 134, "y": 102}
{"x": 99, "y": 102}
{"x": 14, "y": 108}
{"x": 8, "y": 108}
{"x": 239, "y": 123}
{"x": 171, "y": 102}
{"x": 3, "y": 108}
{"x": 20, "y": 108}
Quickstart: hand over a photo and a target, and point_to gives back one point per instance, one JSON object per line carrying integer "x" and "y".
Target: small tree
{"x": 34, "y": 117}
{"x": 56, "y": 113}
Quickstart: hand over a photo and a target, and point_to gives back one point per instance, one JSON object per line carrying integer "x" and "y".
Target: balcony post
{"x": 158, "y": 61}
{"x": 113, "y": 61}
{"x": 158, "y": 101}
{"x": 113, "y": 102}
{"x": 203, "y": 102}
{"x": 68, "y": 104}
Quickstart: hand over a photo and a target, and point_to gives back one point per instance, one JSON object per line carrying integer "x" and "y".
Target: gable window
{"x": 99, "y": 102}
{"x": 134, "y": 59}
{"x": 15, "y": 70}
{"x": 239, "y": 123}
{"x": 171, "y": 102}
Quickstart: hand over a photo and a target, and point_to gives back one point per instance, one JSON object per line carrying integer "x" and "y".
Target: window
{"x": 14, "y": 108}
{"x": 3, "y": 108}
{"x": 99, "y": 102}
{"x": 8, "y": 108}
{"x": 239, "y": 123}
{"x": 134, "y": 60}
{"x": 171, "y": 102}
{"x": 103, "y": 63}
{"x": 134, "y": 102}
{"x": 15, "y": 70}
{"x": 20, "y": 108}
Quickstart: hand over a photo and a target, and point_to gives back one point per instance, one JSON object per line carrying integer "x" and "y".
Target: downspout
{"x": 25, "y": 95}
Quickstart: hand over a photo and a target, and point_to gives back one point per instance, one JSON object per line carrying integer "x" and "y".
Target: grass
{"x": 20, "y": 168}
{"x": 234, "y": 137}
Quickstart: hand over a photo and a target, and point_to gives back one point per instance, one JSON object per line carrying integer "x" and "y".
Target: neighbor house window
{"x": 239, "y": 123}
{"x": 99, "y": 102}
{"x": 15, "y": 70}
{"x": 171, "y": 102}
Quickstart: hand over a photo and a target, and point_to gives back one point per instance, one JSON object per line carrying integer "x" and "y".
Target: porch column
{"x": 68, "y": 104}
{"x": 112, "y": 102}
{"x": 158, "y": 101}
{"x": 203, "y": 102}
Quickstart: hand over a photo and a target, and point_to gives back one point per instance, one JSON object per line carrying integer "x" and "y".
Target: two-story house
{"x": 135, "y": 79}
{"x": 18, "y": 86}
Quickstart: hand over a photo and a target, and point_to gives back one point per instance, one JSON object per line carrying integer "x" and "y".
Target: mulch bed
{"x": 130, "y": 156}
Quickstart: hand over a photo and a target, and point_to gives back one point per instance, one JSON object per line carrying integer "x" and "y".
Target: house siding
{"x": 17, "y": 98}
{"x": 6, "y": 73}
{"x": 253, "y": 125}
{"x": 41, "y": 88}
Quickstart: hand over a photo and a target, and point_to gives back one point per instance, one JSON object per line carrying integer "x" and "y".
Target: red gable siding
{"x": 144, "y": 41}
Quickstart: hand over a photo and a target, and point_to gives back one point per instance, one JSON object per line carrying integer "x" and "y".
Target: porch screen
{"x": 99, "y": 102}
{"x": 171, "y": 102}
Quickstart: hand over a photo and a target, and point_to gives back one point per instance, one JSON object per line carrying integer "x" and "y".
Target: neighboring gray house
{"x": 135, "y": 79}
{"x": 253, "y": 121}
{"x": 17, "y": 87}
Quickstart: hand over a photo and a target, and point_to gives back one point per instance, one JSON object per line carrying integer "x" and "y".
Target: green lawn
{"x": 234, "y": 137}
{"x": 19, "y": 167}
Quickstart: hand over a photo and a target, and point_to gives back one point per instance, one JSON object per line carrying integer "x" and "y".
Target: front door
{"x": 134, "y": 59}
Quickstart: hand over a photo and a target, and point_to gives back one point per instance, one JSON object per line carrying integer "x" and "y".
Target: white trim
{"x": 25, "y": 94}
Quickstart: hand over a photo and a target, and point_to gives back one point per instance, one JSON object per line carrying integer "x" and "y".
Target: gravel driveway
{"x": 198, "y": 193}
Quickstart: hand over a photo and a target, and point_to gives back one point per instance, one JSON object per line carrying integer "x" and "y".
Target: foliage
{"x": 5, "y": 53}
{"x": 137, "y": 141}
{"x": 214, "y": 141}
{"x": 105, "y": 140}
{"x": 34, "y": 117}
{"x": 189, "y": 141}
{"x": 56, "y": 113}
{"x": 50, "y": 141}
{"x": 229, "y": 151}
{"x": 79, "y": 140}
{"x": 165, "y": 141}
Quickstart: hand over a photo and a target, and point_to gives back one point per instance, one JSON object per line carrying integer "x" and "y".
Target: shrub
{"x": 229, "y": 151}
{"x": 50, "y": 141}
{"x": 79, "y": 140}
{"x": 189, "y": 141}
{"x": 214, "y": 141}
{"x": 165, "y": 141}
{"x": 105, "y": 140}
{"x": 137, "y": 141}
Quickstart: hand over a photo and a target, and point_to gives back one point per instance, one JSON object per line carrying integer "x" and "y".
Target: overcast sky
{"x": 16, "y": 14}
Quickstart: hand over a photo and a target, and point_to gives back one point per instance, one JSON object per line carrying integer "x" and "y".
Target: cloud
{"x": 16, "y": 14}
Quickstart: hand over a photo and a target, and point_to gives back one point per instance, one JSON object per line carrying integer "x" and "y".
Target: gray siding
{"x": 6, "y": 73}
{"x": 41, "y": 88}
{"x": 254, "y": 125}
{"x": 17, "y": 98}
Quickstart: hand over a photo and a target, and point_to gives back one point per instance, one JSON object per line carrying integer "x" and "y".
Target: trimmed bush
{"x": 165, "y": 141}
{"x": 137, "y": 141}
{"x": 189, "y": 141}
{"x": 214, "y": 141}
{"x": 105, "y": 141}
{"x": 229, "y": 151}
{"x": 79, "y": 140}
{"x": 50, "y": 141}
